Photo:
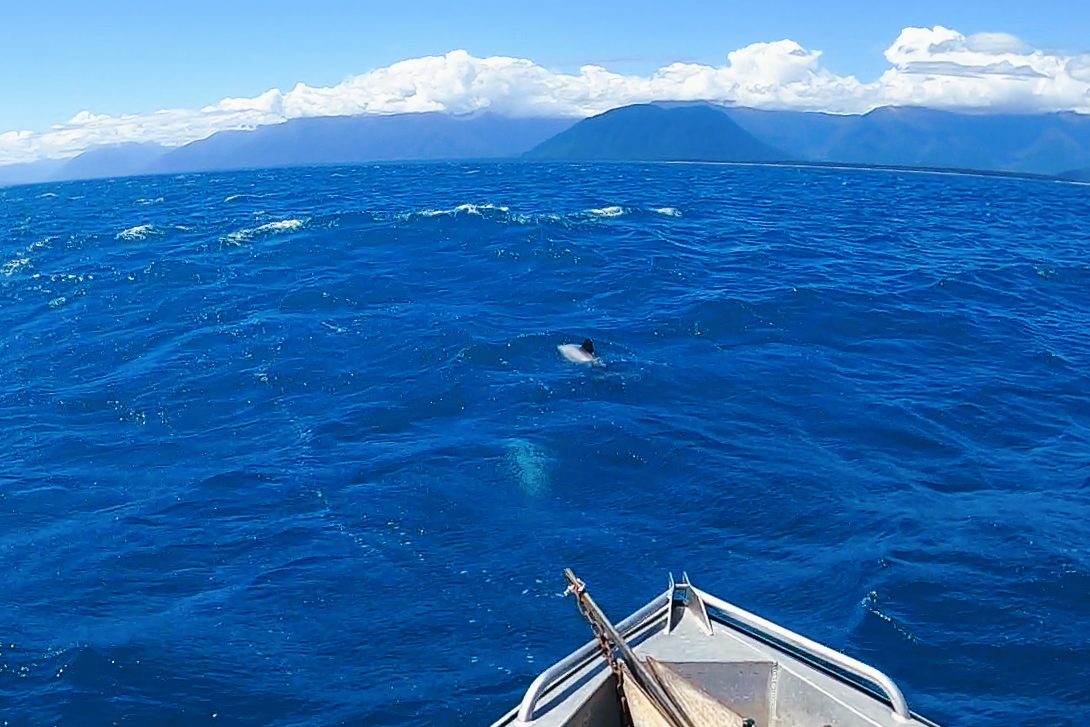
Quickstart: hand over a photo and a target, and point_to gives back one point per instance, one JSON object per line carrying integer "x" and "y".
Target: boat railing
{"x": 812, "y": 648}
{"x": 807, "y": 647}
{"x": 591, "y": 648}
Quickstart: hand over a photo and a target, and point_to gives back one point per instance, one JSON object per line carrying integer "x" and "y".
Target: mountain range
{"x": 356, "y": 139}
{"x": 1056, "y": 144}
{"x": 307, "y": 141}
{"x": 652, "y": 132}
{"x": 918, "y": 137}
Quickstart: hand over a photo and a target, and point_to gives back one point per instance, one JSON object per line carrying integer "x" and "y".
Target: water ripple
{"x": 275, "y": 438}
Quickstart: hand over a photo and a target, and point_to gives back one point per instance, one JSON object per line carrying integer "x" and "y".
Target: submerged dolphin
{"x": 583, "y": 354}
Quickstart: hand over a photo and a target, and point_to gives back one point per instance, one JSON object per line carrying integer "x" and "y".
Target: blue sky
{"x": 77, "y": 75}
{"x": 120, "y": 56}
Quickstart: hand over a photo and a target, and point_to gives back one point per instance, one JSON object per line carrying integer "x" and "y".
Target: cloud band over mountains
{"x": 933, "y": 67}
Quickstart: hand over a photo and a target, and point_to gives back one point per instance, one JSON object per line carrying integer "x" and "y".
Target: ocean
{"x": 296, "y": 447}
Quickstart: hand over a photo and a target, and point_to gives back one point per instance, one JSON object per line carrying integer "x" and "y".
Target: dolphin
{"x": 583, "y": 354}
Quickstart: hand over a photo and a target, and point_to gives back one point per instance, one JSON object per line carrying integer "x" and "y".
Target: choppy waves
{"x": 491, "y": 213}
{"x": 466, "y": 209}
{"x": 137, "y": 232}
{"x": 504, "y": 214}
{"x": 859, "y": 396}
{"x": 269, "y": 228}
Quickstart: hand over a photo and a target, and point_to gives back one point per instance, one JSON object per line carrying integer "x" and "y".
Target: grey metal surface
{"x": 699, "y": 706}
{"x": 586, "y": 697}
{"x": 689, "y": 643}
{"x": 557, "y": 670}
{"x": 637, "y": 671}
{"x": 695, "y": 604}
{"x": 746, "y": 670}
{"x": 744, "y": 685}
{"x": 808, "y": 646}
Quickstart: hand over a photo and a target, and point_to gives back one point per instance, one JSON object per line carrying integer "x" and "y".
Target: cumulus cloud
{"x": 936, "y": 67}
{"x": 942, "y": 68}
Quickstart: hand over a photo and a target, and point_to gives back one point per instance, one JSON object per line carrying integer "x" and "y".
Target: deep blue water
{"x": 296, "y": 447}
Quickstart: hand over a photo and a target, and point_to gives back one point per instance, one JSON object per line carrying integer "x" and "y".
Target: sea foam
{"x": 11, "y": 266}
{"x": 139, "y": 232}
{"x": 269, "y": 228}
{"x": 611, "y": 211}
{"x": 464, "y": 209}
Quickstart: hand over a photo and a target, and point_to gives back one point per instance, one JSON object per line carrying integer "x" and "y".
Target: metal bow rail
{"x": 660, "y": 607}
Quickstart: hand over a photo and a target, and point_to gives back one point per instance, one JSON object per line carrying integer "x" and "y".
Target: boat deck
{"x": 755, "y": 677}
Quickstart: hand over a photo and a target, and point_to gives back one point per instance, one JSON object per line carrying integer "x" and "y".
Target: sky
{"x": 76, "y": 74}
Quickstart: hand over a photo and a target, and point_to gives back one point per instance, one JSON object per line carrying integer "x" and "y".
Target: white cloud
{"x": 942, "y": 68}
{"x": 936, "y": 67}
{"x": 1078, "y": 68}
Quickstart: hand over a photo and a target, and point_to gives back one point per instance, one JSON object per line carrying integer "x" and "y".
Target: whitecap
{"x": 58, "y": 302}
{"x": 668, "y": 211}
{"x": 464, "y": 209}
{"x": 244, "y": 195}
{"x": 269, "y": 228}
{"x": 146, "y": 201}
{"x": 46, "y": 195}
{"x": 480, "y": 209}
{"x": 611, "y": 211}
{"x": 9, "y": 268}
{"x": 279, "y": 226}
{"x": 139, "y": 232}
